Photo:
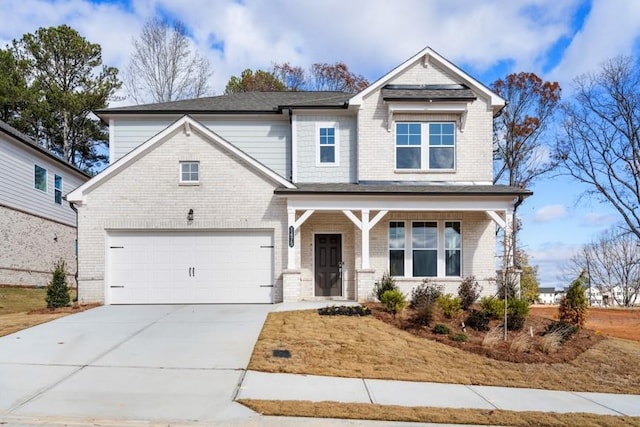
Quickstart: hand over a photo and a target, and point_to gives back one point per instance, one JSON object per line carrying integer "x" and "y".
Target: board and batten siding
{"x": 17, "y": 163}
{"x": 266, "y": 140}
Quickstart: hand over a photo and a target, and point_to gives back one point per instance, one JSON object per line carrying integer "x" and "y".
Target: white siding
{"x": 266, "y": 140}
{"x": 17, "y": 189}
{"x": 306, "y": 149}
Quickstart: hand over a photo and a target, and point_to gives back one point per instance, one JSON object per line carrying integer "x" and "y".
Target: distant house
{"x": 265, "y": 197}
{"x": 37, "y": 225}
{"x": 547, "y": 295}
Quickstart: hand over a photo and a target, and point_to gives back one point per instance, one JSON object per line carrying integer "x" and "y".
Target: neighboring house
{"x": 547, "y": 295}
{"x": 281, "y": 196}
{"x": 37, "y": 225}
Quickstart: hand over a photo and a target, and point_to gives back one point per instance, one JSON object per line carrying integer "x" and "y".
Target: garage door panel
{"x": 190, "y": 267}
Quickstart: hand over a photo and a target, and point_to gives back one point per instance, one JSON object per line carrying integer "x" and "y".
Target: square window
{"x": 190, "y": 172}
{"x": 327, "y": 146}
{"x": 432, "y": 149}
{"x": 40, "y": 178}
{"x": 57, "y": 194}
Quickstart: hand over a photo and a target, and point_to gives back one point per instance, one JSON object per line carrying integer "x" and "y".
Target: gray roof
{"x": 399, "y": 188}
{"x": 26, "y": 140}
{"x": 549, "y": 290}
{"x": 444, "y": 92}
{"x": 246, "y": 102}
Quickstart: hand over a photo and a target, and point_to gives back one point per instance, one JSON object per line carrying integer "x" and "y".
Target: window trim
{"x": 336, "y": 144}
{"x": 425, "y": 147}
{"x": 57, "y": 190}
{"x": 35, "y": 177}
{"x": 441, "y": 249}
{"x": 188, "y": 182}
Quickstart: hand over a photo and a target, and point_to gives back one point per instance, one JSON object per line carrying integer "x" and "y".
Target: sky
{"x": 556, "y": 39}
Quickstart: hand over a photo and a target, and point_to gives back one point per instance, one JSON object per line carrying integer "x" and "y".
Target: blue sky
{"x": 557, "y": 39}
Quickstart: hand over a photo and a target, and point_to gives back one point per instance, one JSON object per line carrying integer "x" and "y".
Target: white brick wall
{"x": 147, "y": 195}
{"x": 376, "y": 153}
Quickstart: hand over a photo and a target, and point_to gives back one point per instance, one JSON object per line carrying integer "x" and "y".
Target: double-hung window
{"x": 57, "y": 191}
{"x": 40, "y": 178}
{"x": 327, "y": 145}
{"x": 189, "y": 172}
{"x": 425, "y": 248}
{"x": 425, "y": 146}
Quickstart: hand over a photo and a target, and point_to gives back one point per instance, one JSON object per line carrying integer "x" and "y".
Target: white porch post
{"x": 365, "y": 239}
{"x": 291, "y": 249}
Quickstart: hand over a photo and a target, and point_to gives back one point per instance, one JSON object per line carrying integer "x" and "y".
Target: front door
{"x": 328, "y": 261}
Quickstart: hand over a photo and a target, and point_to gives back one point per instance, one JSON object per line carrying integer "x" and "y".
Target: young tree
{"x": 250, "y": 81}
{"x": 66, "y": 81}
{"x": 601, "y": 143}
{"x": 574, "y": 305}
{"x": 529, "y": 279}
{"x": 162, "y": 67}
{"x": 58, "y": 290}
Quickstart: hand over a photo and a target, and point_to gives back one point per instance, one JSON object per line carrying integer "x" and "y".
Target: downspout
{"x": 75, "y": 276}
{"x": 291, "y": 145}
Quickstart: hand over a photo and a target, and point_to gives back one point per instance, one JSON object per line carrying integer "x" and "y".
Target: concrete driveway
{"x": 169, "y": 363}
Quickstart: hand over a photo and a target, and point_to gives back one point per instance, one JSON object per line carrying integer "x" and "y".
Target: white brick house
{"x": 37, "y": 225}
{"x": 283, "y": 196}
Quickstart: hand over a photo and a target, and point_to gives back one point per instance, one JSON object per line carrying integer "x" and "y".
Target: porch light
{"x": 190, "y": 215}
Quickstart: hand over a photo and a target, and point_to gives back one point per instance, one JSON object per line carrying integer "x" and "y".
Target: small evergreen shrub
{"x": 449, "y": 305}
{"x": 493, "y": 307}
{"x": 517, "y": 312}
{"x": 423, "y": 315}
{"x": 574, "y": 305}
{"x": 459, "y": 337}
{"x": 468, "y": 292}
{"x": 425, "y": 293}
{"x": 58, "y": 290}
{"x": 515, "y": 321}
{"x": 386, "y": 283}
{"x": 441, "y": 329}
{"x": 344, "y": 310}
{"x": 478, "y": 320}
{"x": 393, "y": 301}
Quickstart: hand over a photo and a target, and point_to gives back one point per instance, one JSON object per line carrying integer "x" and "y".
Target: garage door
{"x": 190, "y": 267}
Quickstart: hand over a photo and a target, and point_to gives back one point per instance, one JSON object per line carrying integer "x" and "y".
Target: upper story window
{"x": 425, "y": 146}
{"x": 327, "y": 145}
{"x": 57, "y": 193}
{"x": 189, "y": 172}
{"x": 40, "y": 178}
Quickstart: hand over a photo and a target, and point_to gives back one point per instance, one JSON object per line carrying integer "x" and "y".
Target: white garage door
{"x": 190, "y": 267}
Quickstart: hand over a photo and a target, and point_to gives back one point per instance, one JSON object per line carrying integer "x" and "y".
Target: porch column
{"x": 291, "y": 249}
{"x": 366, "y": 263}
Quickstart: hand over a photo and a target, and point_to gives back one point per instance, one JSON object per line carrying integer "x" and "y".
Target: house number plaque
{"x": 291, "y": 235}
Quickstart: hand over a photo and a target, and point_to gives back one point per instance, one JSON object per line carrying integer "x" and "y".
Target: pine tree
{"x": 574, "y": 305}
{"x": 58, "y": 290}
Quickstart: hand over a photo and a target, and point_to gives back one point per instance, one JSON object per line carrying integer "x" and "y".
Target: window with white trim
{"x": 425, "y": 146}
{"x": 327, "y": 145}
{"x": 57, "y": 191}
{"x": 40, "y": 178}
{"x": 189, "y": 172}
{"x": 425, "y": 249}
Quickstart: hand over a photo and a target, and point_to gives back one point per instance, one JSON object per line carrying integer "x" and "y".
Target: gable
{"x": 186, "y": 140}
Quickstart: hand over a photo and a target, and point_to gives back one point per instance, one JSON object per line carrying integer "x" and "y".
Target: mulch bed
{"x": 583, "y": 340}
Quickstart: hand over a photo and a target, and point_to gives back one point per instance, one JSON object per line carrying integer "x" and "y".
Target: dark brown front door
{"x": 328, "y": 257}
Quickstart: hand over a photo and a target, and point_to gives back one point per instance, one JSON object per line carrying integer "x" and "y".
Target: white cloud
{"x": 550, "y": 213}
{"x": 553, "y": 261}
{"x": 598, "y": 219}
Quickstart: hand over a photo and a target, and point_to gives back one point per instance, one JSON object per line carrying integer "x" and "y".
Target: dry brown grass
{"x": 364, "y": 347}
{"x": 433, "y": 415}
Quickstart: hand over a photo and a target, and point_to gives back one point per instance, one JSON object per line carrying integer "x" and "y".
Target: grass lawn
{"x": 365, "y": 347}
{"x": 22, "y": 307}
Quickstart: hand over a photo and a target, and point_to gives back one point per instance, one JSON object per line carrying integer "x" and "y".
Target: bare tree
{"x": 293, "y": 76}
{"x": 162, "y": 67}
{"x": 612, "y": 263}
{"x": 601, "y": 144}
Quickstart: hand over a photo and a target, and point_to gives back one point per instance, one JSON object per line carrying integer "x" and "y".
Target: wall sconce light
{"x": 190, "y": 215}
{"x": 55, "y": 237}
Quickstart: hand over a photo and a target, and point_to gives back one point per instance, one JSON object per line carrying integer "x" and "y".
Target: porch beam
{"x": 353, "y": 218}
{"x": 377, "y": 219}
{"x": 366, "y": 264}
{"x": 502, "y": 223}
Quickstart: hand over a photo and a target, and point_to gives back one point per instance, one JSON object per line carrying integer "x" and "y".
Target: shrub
{"x": 441, "y": 329}
{"x": 393, "y": 301}
{"x": 478, "y": 320}
{"x": 344, "y": 310}
{"x": 515, "y": 321}
{"x": 386, "y": 283}
{"x": 517, "y": 312}
{"x": 574, "y": 305}
{"x": 460, "y": 337}
{"x": 564, "y": 329}
{"x": 493, "y": 337}
{"x": 520, "y": 343}
{"x": 425, "y": 293}
{"x": 58, "y": 290}
{"x": 449, "y": 304}
{"x": 423, "y": 315}
{"x": 468, "y": 292}
{"x": 551, "y": 341}
{"x": 493, "y": 307}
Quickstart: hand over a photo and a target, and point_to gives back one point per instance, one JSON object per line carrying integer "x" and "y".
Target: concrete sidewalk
{"x": 268, "y": 386}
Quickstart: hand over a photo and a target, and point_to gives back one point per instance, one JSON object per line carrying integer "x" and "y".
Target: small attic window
{"x": 189, "y": 172}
